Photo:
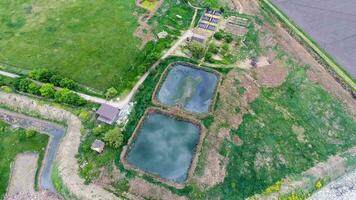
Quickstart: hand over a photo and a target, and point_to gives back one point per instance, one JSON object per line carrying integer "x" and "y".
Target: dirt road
{"x": 23, "y": 174}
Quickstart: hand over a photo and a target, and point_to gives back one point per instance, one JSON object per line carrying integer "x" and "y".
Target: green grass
{"x": 329, "y": 61}
{"x": 294, "y": 127}
{"x": 89, "y": 41}
{"x": 13, "y": 142}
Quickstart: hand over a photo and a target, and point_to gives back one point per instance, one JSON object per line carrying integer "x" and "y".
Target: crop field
{"x": 12, "y": 142}
{"x": 91, "y": 42}
{"x": 330, "y": 23}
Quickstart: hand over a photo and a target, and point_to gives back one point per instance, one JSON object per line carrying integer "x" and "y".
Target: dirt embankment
{"x": 67, "y": 163}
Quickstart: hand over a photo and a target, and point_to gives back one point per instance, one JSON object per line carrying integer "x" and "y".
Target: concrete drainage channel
{"x": 56, "y": 133}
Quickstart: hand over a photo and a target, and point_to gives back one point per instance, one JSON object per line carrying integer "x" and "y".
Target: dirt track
{"x": 23, "y": 174}
{"x": 67, "y": 163}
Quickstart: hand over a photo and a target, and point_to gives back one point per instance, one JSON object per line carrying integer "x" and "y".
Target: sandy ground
{"x": 23, "y": 174}
{"x": 67, "y": 162}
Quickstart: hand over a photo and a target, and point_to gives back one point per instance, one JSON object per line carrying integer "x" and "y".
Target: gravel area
{"x": 343, "y": 188}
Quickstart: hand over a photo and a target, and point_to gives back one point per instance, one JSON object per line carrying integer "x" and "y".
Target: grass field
{"x": 13, "y": 142}
{"x": 293, "y": 127}
{"x": 91, "y": 42}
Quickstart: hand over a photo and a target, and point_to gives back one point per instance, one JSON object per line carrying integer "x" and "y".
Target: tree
{"x": 43, "y": 75}
{"x": 111, "y": 92}
{"x": 68, "y": 97}
{"x": 30, "y": 133}
{"x": 68, "y": 83}
{"x": 47, "y": 90}
{"x": 228, "y": 38}
{"x": 56, "y": 79}
{"x": 23, "y": 85}
{"x": 219, "y": 35}
{"x": 114, "y": 137}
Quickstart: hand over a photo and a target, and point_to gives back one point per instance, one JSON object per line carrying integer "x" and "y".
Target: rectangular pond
{"x": 164, "y": 146}
{"x": 190, "y": 88}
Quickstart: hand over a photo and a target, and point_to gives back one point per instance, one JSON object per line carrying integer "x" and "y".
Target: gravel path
{"x": 67, "y": 163}
{"x": 343, "y": 188}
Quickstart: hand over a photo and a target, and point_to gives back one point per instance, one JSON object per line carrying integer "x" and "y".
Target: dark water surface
{"x": 190, "y": 88}
{"x": 165, "y": 146}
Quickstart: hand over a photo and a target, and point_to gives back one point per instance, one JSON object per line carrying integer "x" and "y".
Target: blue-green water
{"x": 190, "y": 88}
{"x": 165, "y": 147}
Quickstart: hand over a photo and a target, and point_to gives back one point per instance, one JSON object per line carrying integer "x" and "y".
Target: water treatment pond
{"x": 165, "y": 147}
{"x": 190, "y": 88}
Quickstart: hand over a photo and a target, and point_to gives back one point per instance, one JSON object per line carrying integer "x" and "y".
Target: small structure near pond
{"x": 107, "y": 114}
{"x": 98, "y": 146}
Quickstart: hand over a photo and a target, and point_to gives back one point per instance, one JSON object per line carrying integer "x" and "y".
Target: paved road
{"x": 331, "y": 23}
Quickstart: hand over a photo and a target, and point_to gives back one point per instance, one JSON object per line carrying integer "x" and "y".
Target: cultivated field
{"x": 89, "y": 41}
{"x": 331, "y": 23}
{"x": 12, "y": 142}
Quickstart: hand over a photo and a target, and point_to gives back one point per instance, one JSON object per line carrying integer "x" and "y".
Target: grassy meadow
{"x": 293, "y": 127}
{"x": 13, "y": 142}
{"x": 91, "y": 42}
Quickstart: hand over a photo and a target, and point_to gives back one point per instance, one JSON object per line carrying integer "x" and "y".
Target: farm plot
{"x": 331, "y": 23}
{"x": 90, "y": 42}
{"x": 13, "y": 142}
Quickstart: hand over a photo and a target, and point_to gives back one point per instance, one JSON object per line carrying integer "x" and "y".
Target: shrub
{"x": 318, "y": 184}
{"x": 114, "y": 137}
{"x": 6, "y": 89}
{"x": 273, "y": 188}
{"x": 56, "y": 79}
{"x": 30, "y": 133}
{"x": 47, "y": 90}
{"x": 85, "y": 115}
{"x": 208, "y": 121}
{"x": 213, "y": 48}
{"x": 110, "y": 93}
{"x": 219, "y": 35}
{"x": 196, "y": 49}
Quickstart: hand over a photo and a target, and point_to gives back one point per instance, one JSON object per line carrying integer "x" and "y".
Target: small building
{"x": 98, "y": 146}
{"x": 107, "y": 114}
{"x": 197, "y": 38}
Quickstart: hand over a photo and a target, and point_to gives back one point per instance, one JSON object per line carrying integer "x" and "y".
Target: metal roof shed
{"x": 107, "y": 114}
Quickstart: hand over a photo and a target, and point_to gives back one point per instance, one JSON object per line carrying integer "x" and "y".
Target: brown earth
{"x": 272, "y": 75}
{"x": 148, "y": 190}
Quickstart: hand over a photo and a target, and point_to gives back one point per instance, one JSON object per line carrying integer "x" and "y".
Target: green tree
{"x": 22, "y": 84}
{"x": 56, "y": 79}
{"x": 67, "y": 83}
{"x": 111, "y": 92}
{"x": 68, "y": 97}
{"x": 30, "y": 133}
{"x": 219, "y": 35}
{"x": 47, "y": 90}
{"x": 34, "y": 89}
{"x": 114, "y": 137}
{"x": 43, "y": 75}
{"x": 228, "y": 38}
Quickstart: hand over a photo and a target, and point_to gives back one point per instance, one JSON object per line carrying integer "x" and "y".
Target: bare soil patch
{"x": 215, "y": 170}
{"x": 145, "y": 189}
{"x": 271, "y": 75}
{"x": 43, "y": 195}
{"x": 23, "y": 174}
